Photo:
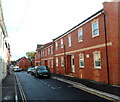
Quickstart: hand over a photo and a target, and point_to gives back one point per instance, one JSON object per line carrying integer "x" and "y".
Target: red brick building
{"x": 44, "y": 56}
{"x": 24, "y": 63}
{"x": 87, "y": 50}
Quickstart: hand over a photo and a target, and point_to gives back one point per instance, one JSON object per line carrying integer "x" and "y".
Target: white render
{"x": 3, "y": 49}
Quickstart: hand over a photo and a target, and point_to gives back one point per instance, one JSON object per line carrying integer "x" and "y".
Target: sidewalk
{"x": 103, "y": 88}
{"x": 8, "y": 88}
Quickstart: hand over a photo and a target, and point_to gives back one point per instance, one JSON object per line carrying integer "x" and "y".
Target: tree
{"x": 31, "y": 56}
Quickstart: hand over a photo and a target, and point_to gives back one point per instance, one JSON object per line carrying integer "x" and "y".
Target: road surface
{"x": 50, "y": 89}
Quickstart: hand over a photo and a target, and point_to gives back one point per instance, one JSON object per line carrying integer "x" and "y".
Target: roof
{"x": 45, "y": 45}
{"x": 75, "y": 27}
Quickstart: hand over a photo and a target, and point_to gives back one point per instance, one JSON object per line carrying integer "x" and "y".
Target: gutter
{"x": 80, "y": 24}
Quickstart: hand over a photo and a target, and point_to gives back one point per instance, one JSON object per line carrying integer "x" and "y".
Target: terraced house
{"x": 90, "y": 50}
{"x": 4, "y": 48}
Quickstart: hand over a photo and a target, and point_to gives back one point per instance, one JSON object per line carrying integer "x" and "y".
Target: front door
{"x": 46, "y": 63}
{"x": 72, "y": 63}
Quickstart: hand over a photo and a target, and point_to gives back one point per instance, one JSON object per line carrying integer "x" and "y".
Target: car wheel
{"x": 48, "y": 76}
{"x": 36, "y": 75}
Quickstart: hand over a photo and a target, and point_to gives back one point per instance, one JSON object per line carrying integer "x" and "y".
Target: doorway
{"x": 72, "y": 64}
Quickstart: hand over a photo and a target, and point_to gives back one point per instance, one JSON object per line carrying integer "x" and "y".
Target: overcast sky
{"x": 32, "y": 22}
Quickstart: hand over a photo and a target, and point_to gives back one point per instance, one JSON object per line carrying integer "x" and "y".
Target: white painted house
{"x": 3, "y": 49}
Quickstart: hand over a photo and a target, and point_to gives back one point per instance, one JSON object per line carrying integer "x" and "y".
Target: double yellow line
{"x": 21, "y": 91}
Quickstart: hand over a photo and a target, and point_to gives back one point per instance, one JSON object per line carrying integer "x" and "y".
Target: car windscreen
{"x": 42, "y": 68}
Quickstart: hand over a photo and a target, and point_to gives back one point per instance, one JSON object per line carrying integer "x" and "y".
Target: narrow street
{"x": 51, "y": 89}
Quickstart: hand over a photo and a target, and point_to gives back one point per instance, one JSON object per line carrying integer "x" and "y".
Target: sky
{"x": 32, "y": 22}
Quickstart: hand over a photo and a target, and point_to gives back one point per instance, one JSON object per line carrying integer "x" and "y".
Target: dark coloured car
{"x": 30, "y": 70}
{"x": 42, "y": 71}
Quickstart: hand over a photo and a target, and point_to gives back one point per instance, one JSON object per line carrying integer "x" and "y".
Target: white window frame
{"x": 0, "y": 38}
{"x": 61, "y": 41}
{"x": 79, "y": 32}
{"x": 94, "y": 55}
{"x": 56, "y": 61}
{"x": 93, "y": 23}
{"x": 69, "y": 41}
{"x": 62, "y": 61}
{"x": 56, "y": 45}
{"x": 48, "y": 51}
{"x": 81, "y": 58}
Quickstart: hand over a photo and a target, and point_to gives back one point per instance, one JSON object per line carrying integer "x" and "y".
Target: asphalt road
{"x": 51, "y": 89}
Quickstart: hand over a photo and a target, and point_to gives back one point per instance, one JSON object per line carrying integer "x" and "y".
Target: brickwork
{"x": 24, "y": 63}
{"x": 89, "y": 50}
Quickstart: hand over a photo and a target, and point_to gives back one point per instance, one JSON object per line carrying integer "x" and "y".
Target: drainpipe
{"x": 40, "y": 57}
{"x": 108, "y": 73}
{"x": 64, "y": 58}
{"x": 54, "y": 65}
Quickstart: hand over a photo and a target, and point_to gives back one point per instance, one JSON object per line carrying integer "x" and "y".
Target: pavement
{"x": 100, "y": 89}
{"x": 107, "y": 91}
{"x": 8, "y": 88}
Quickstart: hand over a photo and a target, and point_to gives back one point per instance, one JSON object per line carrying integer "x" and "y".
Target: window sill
{"x": 80, "y": 41}
{"x": 82, "y": 67}
{"x": 94, "y": 36}
{"x": 69, "y": 46}
{"x": 97, "y": 68}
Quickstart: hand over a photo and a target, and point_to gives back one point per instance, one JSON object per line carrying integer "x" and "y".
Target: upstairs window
{"x": 80, "y": 35}
{"x": 56, "y": 61}
{"x": 81, "y": 60}
{"x": 69, "y": 41}
{"x": 62, "y": 61}
{"x": 95, "y": 28}
{"x": 56, "y": 45}
{"x": 43, "y": 53}
{"x": 97, "y": 59}
{"x": 61, "y": 43}
{"x": 0, "y": 38}
{"x": 48, "y": 51}
{"x": 52, "y": 50}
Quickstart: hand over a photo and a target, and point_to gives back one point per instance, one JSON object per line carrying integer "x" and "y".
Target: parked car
{"x": 29, "y": 70}
{"x": 33, "y": 71}
{"x": 42, "y": 71}
{"x": 16, "y": 69}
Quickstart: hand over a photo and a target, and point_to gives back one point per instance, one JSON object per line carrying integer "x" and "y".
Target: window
{"x": 48, "y": 51}
{"x": 56, "y": 45}
{"x": 56, "y": 61}
{"x": 80, "y": 35}
{"x": 81, "y": 60}
{"x": 43, "y": 53}
{"x": 62, "y": 61}
{"x": 97, "y": 63}
{"x": 95, "y": 29}
{"x": 69, "y": 40}
{"x": 52, "y": 50}
{"x": 62, "y": 43}
{"x": 0, "y": 38}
